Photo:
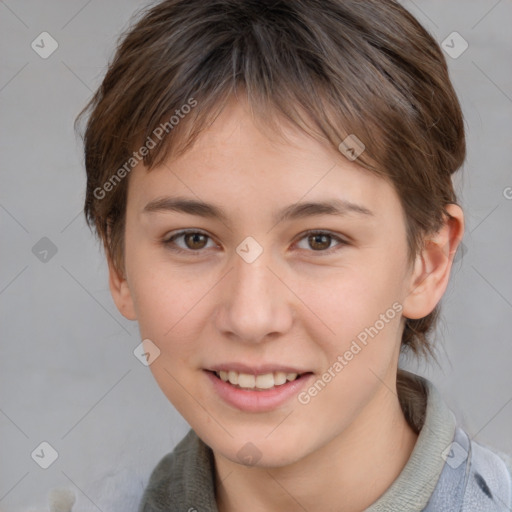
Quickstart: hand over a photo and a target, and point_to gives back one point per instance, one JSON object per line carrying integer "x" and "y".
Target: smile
{"x": 257, "y": 392}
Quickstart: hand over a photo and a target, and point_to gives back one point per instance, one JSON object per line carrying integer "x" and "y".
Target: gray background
{"x": 68, "y": 374}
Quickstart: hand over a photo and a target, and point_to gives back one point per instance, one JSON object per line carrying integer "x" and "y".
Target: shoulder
{"x": 466, "y": 475}
{"x": 182, "y": 478}
{"x": 490, "y": 478}
{"x": 164, "y": 481}
{"x": 475, "y": 477}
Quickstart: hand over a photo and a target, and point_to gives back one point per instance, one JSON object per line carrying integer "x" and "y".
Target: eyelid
{"x": 179, "y": 232}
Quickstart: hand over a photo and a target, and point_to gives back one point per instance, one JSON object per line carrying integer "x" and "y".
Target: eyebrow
{"x": 294, "y": 211}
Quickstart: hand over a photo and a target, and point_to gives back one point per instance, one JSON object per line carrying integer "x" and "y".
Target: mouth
{"x": 257, "y": 392}
{"x": 261, "y": 382}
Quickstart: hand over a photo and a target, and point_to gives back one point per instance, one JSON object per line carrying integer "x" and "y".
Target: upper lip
{"x": 259, "y": 369}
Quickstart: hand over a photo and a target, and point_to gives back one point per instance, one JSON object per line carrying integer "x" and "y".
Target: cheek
{"x": 172, "y": 316}
{"x": 170, "y": 313}
{"x": 162, "y": 292}
{"x": 359, "y": 348}
{"x": 355, "y": 301}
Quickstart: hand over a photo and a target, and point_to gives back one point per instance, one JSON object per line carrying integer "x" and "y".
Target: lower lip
{"x": 256, "y": 400}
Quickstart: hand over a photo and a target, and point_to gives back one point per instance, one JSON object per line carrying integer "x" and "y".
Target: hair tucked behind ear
{"x": 412, "y": 395}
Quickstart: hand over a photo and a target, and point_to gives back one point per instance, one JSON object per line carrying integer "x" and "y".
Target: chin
{"x": 259, "y": 451}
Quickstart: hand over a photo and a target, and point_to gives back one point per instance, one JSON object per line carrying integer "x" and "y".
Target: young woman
{"x": 272, "y": 184}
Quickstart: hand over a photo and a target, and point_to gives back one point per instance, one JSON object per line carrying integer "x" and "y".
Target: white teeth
{"x": 279, "y": 378}
{"x": 247, "y": 381}
{"x": 265, "y": 381}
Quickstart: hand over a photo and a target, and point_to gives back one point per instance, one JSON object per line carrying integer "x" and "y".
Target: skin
{"x": 293, "y": 305}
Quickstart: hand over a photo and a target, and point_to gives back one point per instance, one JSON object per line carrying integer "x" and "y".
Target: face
{"x": 317, "y": 293}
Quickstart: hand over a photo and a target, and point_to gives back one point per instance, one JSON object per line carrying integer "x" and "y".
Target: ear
{"x": 120, "y": 291}
{"x": 432, "y": 266}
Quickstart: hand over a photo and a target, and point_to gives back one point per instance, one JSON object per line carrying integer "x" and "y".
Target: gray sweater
{"x": 446, "y": 471}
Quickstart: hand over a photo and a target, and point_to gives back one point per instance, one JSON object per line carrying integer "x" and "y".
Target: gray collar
{"x": 415, "y": 484}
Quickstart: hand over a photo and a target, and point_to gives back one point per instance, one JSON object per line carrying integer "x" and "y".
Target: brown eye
{"x": 195, "y": 241}
{"x": 192, "y": 242}
{"x": 319, "y": 242}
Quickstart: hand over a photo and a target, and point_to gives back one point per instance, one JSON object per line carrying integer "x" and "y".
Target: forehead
{"x": 238, "y": 163}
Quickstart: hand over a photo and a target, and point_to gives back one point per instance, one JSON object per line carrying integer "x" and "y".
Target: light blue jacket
{"x": 446, "y": 472}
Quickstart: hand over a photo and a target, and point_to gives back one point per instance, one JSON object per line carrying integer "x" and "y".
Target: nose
{"x": 256, "y": 304}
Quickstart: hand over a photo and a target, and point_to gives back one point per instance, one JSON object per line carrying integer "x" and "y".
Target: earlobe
{"x": 120, "y": 291}
{"x": 432, "y": 266}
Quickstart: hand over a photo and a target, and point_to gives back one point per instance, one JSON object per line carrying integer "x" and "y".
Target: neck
{"x": 369, "y": 455}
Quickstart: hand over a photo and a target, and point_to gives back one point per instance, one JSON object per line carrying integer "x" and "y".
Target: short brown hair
{"x": 332, "y": 67}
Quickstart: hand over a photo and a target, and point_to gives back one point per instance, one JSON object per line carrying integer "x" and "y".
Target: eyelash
{"x": 169, "y": 242}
